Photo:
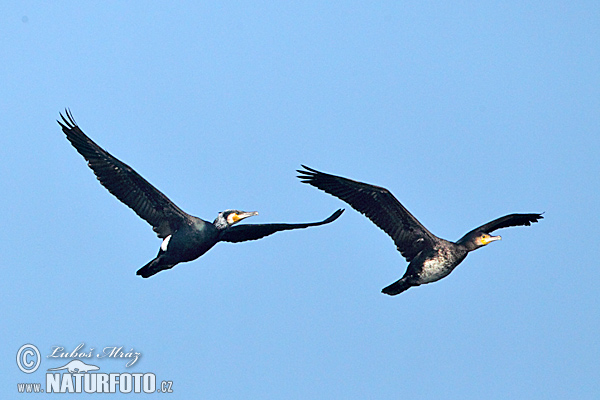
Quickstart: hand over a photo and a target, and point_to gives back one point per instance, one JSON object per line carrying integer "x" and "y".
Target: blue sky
{"x": 465, "y": 111}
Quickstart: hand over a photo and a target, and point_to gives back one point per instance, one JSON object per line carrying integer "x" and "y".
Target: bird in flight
{"x": 430, "y": 257}
{"x": 185, "y": 237}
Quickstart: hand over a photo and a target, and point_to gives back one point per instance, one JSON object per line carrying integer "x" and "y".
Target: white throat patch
{"x": 165, "y": 243}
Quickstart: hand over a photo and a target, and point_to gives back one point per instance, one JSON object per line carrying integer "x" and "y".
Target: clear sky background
{"x": 465, "y": 111}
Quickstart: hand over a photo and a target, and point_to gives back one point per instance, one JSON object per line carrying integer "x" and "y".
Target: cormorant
{"x": 185, "y": 237}
{"x": 430, "y": 257}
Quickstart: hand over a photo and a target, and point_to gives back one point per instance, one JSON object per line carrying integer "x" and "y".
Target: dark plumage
{"x": 185, "y": 237}
{"x": 430, "y": 257}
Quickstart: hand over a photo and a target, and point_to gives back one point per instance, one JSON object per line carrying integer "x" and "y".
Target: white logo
{"x": 78, "y": 377}
{"x": 26, "y": 365}
{"x": 77, "y": 367}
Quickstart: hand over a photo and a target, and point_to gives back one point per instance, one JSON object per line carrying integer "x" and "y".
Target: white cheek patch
{"x": 165, "y": 243}
{"x": 231, "y": 219}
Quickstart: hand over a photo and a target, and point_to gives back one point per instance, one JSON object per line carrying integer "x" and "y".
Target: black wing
{"x": 509, "y": 220}
{"x": 126, "y": 184}
{"x": 241, "y": 233}
{"x": 377, "y": 204}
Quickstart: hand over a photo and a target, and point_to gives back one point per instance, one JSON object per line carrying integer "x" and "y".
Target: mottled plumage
{"x": 430, "y": 257}
{"x": 185, "y": 237}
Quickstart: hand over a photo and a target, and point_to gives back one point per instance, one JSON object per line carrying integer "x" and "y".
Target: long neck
{"x": 220, "y": 223}
{"x": 466, "y": 242}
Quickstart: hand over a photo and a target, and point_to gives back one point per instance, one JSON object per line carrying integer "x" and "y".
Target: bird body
{"x": 430, "y": 258}
{"x": 430, "y": 265}
{"x": 191, "y": 240}
{"x": 185, "y": 237}
{"x": 186, "y": 244}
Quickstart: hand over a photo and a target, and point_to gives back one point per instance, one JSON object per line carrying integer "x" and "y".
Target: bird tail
{"x": 396, "y": 288}
{"x": 153, "y": 267}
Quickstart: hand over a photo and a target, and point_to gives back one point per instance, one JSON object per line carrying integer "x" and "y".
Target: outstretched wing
{"x": 509, "y": 220}
{"x": 241, "y": 233}
{"x": 377, "y": 204}
{"x": 123, "y": 182}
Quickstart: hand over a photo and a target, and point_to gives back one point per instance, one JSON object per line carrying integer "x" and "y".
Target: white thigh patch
{"x": 165, "y": 243}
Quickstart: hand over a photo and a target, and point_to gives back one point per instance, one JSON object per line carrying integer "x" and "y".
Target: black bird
{"x": 430, "y": 257}
{"x": 185, "y": 237}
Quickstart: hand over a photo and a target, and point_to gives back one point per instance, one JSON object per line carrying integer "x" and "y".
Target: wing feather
{"x": 241, "y": 233}
{"x": 508, "y": 221}
{"x": 124, "y": 183}
{"x": 377, "y": 204}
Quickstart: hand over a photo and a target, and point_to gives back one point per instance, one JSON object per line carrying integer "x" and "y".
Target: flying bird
{"x": 185, "y": 237}
{"x": 430, "y": 257}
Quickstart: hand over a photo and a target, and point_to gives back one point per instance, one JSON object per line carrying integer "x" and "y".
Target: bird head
{"x": 477, "y": 239}
{"x": 228, "y": 218}
{"x": 486, "y": 238}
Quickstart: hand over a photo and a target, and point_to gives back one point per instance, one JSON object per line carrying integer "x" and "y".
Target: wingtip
{"x": 68, "y": 122}
{"x": 307, "y": 168}
{"x": 302, "y": 171}
{"x": 334, "y": 216}
{"x": 536, "y": 217}
{"x": 307, "y": 175}
{"x": 338, "y": 212}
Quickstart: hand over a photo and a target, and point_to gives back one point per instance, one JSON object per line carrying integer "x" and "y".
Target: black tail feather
{"x": 396, "y": 288}
{"x": 152, "y": 268}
